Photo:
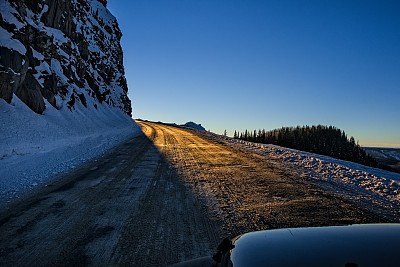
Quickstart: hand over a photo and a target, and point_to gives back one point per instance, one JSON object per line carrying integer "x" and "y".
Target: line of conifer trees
{"x": 324, "y": 140}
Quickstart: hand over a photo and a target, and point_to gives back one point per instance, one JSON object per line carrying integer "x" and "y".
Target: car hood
{"x": 353, "y": 245}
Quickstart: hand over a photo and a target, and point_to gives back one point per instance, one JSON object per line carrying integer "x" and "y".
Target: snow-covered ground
{"x": 341, "y": 176}
{"x": 36, "y": 148}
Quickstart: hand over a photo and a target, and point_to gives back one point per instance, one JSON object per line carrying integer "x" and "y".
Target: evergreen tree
{"x": 325, "y": 140}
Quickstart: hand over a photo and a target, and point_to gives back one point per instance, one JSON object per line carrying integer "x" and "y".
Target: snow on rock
{"x": 7, "y": 41}
{"x": 63, "y": 93}
{"x": 35, "y": 148}
{"x": 9, "y": 14}
{"x": 63, "y": 52}
{"x": 193, "y": 125}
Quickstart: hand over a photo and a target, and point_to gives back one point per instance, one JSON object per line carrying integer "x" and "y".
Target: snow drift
{"x": 35, "y": 148}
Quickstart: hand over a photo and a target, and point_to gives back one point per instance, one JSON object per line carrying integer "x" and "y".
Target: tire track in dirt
{"x": 128, "y": 208}
{"x": 60, "y": 235}
{"x": 245, "y": 192}
{"x": 168, "y": 195}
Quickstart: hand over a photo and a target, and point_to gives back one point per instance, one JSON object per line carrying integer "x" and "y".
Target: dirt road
{"x": 167, "y": 195}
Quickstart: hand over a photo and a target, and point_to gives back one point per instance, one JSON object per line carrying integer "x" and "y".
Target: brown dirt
{"x": 165, "y": 196}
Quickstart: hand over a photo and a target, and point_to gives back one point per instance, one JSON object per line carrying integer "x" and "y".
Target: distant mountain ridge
{"x": 389, "y": 157}
{"x": 61, "y": 52}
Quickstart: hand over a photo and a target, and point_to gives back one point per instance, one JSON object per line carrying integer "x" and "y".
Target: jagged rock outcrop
{"x": 193, "y": 125}
{"x": 62, "y": 51}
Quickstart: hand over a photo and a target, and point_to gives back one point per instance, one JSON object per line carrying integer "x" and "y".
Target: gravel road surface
{"x": 168, "y": 195}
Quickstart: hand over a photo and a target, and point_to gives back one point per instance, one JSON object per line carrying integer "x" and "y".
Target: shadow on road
{"x": 127, "y": 207}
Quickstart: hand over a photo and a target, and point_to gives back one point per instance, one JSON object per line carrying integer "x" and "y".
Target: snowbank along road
{"x": 168, "y": 195}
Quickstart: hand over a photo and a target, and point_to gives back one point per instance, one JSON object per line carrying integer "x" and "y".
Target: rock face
{"x": 193, "y": 125}
{"x": 62, "y": 51}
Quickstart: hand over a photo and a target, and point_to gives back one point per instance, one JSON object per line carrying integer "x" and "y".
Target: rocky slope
{"x": 61, "y": 52}
{"x": 63, "y": 94}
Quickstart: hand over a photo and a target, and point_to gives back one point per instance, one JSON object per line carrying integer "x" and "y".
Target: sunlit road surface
{"x": 166, "y": 196}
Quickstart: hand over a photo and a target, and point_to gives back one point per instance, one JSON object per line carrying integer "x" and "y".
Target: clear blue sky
{"x": 265, "y": 64}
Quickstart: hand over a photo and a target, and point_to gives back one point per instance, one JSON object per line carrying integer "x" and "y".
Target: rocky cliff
{"x": 61, "y": 52}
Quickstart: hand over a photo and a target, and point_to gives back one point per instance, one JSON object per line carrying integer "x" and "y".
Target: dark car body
{"x": 352, "y": 245}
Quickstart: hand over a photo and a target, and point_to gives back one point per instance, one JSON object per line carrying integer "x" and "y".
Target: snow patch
{"x": 8, "y": 13}
{"x": 37, "y": 55}
{"x": 57, "y": 69}
{"x": 35, "y": 148}
{"x": 7, "y": 41}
